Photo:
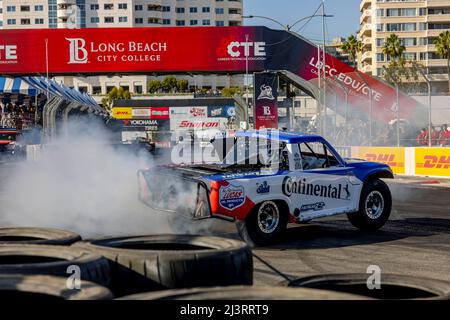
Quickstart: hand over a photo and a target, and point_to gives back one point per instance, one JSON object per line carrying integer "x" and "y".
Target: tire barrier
{"x": 37, "y": 236}
{"x": 158, "y": 262}
{"x": 54, "y": 261}
{"x": 391, "y": 286}
{"x": 244, "y": 293}
{"x": 43, "y": 288}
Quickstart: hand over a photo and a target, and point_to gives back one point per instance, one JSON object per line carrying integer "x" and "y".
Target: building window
{"x": 95, "y": 7}
{"x": 380, "y": 42}
{"x": 380, "y": 12}
{"x": 193, "y": 22}
{"x": 138, "y": 89}
{"x": 39, "y": 7}
{"x": 206, "y": 22}
{"x": 123, "y": 6}
{"x": 109, "y": 20}
{"x": 206, "y": 9}
{"x": 138, "y": 20}
{"x": 393, "y": 27}
{"x": 405, "y": 12}
{"x": 193, "y": 9}
{"x": 138, "y": 7}
{"x": 234, "y": 11}
{"x": 380, "y": 57}
{"x": 220, "y": 11}
{"x": 95, "y": 19}
{"x": 96, "y": 90}
{"x": 11, "y": 9}
{"x": 409, "y": 55}
{"x": 123, "y": 19}
{"x": 152, "y": 21}
{"x": 220, "y": 23}
{"x": 408, "y": 42}
{"x": 180, "y": 23}
{"x": 108, "y": 6}
{"x": 11, "y": 21}
{"x": 180, "y": 10}
{"x": 166, "y": 8}
{"x": 166, "y": 21}
{"x": 24, "y": 8}
{"x": 39, "y": 21}
{"x": 25, "y": 21}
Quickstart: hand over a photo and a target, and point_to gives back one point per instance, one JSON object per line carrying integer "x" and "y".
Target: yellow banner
{"x": 393, "y": 157}
{"x": 433, "y": 161}
{"x": 123, "y": 113}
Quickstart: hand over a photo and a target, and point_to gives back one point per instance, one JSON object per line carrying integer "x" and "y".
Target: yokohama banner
{"x": 265, "y": 100}
{"x": 192, "y": 49}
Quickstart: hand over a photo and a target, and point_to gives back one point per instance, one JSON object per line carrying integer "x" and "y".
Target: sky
{"x": 344, "y": 23}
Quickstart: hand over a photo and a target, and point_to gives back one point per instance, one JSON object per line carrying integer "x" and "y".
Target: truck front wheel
{"x": 374, "y": 206}
{"x": 265, "y": 224}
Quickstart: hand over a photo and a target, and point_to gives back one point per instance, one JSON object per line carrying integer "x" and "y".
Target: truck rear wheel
{"x": 374, "y": 206}
{"x": 265, "y": 224}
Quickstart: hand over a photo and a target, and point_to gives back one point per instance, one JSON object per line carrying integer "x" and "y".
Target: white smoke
{"x": 83, "y": 184}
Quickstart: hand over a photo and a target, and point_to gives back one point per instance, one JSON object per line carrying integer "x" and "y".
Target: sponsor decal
{"x": 433, "y": 161}
{"x": 219, "y": 112}
{"x": 232, "y": 49}
{"x": 8, "y": 54}
{"x": 122, "y": 113}
{"x": 198, "y": 112}
{"x": 312, "y": 207}
{"x": 231, "y": 197}
{"x": 159, "y": 113}
{"x": 262, "y": 187}
{"x": 188, "y": 112}
{"x": 141, "y": 113}
{"x": 297, "y": 161}
{"x": 393, "y": 157}
{"x": 298, "y": 185}
{"x": 148, "y": 125}
{"x": 266, "y": 93}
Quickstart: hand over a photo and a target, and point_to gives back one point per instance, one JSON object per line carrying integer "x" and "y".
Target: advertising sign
{"x": 122, "y": 113}
{"x": 188, "y": 112}
{"x": 221, "y": 111}
{"x": 393, "y": 157}
{"x": 265, "y": 100}
{"x": 198, "y": 124}
{"x": 432, "y": 161}
{"x": 147, "y": 125}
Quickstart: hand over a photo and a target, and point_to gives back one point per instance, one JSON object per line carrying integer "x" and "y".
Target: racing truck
{"x": 263, "y": 180}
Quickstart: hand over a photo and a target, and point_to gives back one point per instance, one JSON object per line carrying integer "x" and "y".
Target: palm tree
{"x": 442, "y": 44}
{"x": 393, "y": 47}
{"x": 352, "y": 46}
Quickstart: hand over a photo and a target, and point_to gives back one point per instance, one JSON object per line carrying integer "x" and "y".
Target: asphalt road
{"x": 415, "y": 241}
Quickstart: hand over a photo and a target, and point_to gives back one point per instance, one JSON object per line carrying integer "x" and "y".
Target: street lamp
{"x": 288, "y": 27}
{"x": 429, "y": 104}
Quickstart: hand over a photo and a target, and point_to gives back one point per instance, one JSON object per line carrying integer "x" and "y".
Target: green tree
{"x": 169, "y": 84}
{"x": 231, "y": 92}
{"x": 352, "y": 46}
{"x": 115, "y": 94}
{"x": 442, "y": 44}
{"x": 393, "y": 47}
{"x": 153, "y": 86}
{"x": 182, "y": 85}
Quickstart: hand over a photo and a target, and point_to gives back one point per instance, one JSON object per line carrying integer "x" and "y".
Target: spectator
{"x": 421, "y": 138}
{"x": 444, "y": 135}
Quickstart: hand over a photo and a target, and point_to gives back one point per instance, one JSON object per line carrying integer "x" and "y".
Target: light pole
{"x": 429, "y": 104}
{"x": 287, "y": 27}
{"x": 370, "y": 106}
{"x": 343, "y": 88}
{"x": 246, "y": 69}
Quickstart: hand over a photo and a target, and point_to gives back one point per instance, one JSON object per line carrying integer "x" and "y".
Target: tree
{"x": 442, "y": 44}
{"x": 231, "y": 92}
{"x": 393, "y": 47}
{"x": 352, "y": 46}
{"x": 115, "y": 94}
{"x": 169, "y": 84}
{"x": 153, "y": 86}
{"x": 182, "y": 85}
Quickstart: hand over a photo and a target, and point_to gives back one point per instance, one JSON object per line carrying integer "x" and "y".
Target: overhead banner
{"x": 196, "y": 49}
{"x": 266, "y": 100}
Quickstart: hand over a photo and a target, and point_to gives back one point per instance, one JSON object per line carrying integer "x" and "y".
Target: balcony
{"x": 365, "y": 16}
{"x": 365, "y": 4}
{"x": 366, "y": 56}
{"x": 366, "y": 68}
{"x": 366, "y": 30}
{"x": 438, "y": 18}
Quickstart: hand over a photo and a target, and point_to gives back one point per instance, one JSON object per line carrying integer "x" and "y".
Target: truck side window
{"x": 316, "y": 155}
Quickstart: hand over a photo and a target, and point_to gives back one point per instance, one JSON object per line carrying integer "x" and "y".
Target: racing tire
{"x": 374, "y": 206}
{"x": 158, "y": 262}
{"x": 43, "y": 288}
{"x": 244, "y": 293}
{"x": 392, "y": 286}
{"x": 37, "y": 236}
{"x": 265, "y": 224}
{"x": 53, "y": 260}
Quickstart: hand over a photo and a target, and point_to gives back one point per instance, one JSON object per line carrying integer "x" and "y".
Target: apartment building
{"x": 37, "y": 14}
{"x": 417, "y": 23}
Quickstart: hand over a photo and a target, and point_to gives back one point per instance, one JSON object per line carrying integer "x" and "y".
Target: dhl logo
{"x": 386, "y": 158}
{"x": 435, "y": 162}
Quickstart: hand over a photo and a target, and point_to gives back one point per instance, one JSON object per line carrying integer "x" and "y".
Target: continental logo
{"x": 434, "y": 162}
{"x": 386, "y": 158}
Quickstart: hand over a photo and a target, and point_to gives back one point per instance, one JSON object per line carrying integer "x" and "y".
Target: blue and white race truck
{"x": 267, "y": 179}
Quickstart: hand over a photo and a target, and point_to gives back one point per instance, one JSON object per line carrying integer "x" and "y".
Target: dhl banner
{"x": 394, "y": 157}
{"x": 432, "y": 161}
{"x": 122, "y": 113}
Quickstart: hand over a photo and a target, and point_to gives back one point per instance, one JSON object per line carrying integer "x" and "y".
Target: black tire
{"x": 37, "y": 236}
{"x": 173, "y": 261}
{"x": 39, "y": 288}
{"x": 244, "y": 293}
{"x": 392, "y": 286}
{"x": 363, "y": 219}
{"x": 53, "y": 260}
{"x": 251, "y": 231}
